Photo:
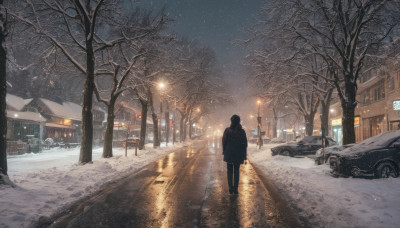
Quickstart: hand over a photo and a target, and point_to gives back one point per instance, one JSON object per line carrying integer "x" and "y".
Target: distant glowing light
{"x": 161, "y": 85}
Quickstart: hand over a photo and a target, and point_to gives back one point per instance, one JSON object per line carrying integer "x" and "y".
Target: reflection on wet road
{"x": 187, "y": 188}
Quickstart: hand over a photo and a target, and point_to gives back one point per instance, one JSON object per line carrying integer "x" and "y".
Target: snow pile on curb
{"x": 321, "y": 200}
{"x": 48, "y": 181}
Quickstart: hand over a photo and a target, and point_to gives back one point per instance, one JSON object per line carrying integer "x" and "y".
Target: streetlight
{"x": 259, "y": 125}
{"x": 161, "y": 86}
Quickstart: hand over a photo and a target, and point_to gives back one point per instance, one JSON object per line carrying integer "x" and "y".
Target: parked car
{"x": 322, "y": 157}
{"x": 309, "y": 145}
{"x": 378, "y": 156}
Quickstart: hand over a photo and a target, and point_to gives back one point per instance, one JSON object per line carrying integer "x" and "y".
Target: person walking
{"x": 234, "y": 146}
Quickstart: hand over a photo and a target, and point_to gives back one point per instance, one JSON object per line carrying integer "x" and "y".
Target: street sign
{"x": 396, "y": 105}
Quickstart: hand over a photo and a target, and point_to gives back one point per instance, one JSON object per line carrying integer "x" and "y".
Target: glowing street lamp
{"x": 161, "y": 85}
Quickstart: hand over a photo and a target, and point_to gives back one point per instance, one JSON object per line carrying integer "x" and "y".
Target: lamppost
{"x": 259, "y": 125}
{"x": 162, "y": 86}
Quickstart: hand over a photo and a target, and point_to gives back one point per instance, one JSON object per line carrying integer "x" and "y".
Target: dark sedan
{"x": 378, "y": 156}
{"x": 309, "y": 145}
{"x": 323, "y": 156}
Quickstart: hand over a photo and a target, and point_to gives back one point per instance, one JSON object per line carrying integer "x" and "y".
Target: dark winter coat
{"x": 234, "y": 144}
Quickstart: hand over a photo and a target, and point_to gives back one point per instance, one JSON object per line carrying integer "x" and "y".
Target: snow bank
{"x": 321, "y": 200}
{"x": 48, "y": 181}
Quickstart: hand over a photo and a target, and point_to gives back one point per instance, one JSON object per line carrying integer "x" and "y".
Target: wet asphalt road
{"x": 187, "y": 188}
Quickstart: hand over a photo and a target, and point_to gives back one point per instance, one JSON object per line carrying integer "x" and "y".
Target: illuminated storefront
{"x": 337, "y": 130}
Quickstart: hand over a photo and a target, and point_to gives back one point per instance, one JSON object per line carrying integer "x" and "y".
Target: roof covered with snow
{"x": 32, "y": 116}
{"x": 67, "y": 110}
{"x": 15, "y": 103}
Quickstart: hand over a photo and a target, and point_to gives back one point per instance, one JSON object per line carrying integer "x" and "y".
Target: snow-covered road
{"x": 49, "y": 181}
{"x": 325, "y": 201}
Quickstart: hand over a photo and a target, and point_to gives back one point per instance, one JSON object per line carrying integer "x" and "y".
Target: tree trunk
{"x": 190, "y": 129}
{"x": 160, "y": 127}
{"x": 181, "y": 129}
{"x": 349, "y": 135}
{"x": 156, "y": 140}
{"x": 309, "y": 122}
{"x": 109, "y": 135}
{"x": 348, "y": 106}
{"x": 325, "y": 106}
{"x": 87, "y": 116}
{"x": 185, "y": 129}
{"x": 167, "y": 124}
{"x": 143, "y": 124}
{"x": 3, "y": 90}
{"x": 275, "y": 124}
{"x": 174, "y": 129}
{"x": 325, "y": 119}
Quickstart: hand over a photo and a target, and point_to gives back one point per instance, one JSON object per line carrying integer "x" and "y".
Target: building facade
{"x": 377, "y": 110}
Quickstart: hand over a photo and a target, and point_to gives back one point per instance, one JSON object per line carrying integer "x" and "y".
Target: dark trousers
{"x": 233, "y": 176}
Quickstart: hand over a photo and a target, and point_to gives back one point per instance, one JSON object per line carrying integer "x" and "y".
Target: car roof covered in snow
{"x": 374, "y": 142}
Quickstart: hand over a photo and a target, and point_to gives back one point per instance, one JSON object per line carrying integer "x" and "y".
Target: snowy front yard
{"x": 325, "y": 201}
{"x": 46, "y": 182}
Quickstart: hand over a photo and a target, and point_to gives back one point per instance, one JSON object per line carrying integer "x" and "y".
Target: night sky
{"x": 215, "y": 23}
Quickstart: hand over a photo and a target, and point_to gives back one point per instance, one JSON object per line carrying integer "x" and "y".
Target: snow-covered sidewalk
{"x": 325, "y": 201}
{"x": 48, "y": 181}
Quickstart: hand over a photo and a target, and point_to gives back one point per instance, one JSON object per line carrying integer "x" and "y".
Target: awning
{"x": 59, "y": 126}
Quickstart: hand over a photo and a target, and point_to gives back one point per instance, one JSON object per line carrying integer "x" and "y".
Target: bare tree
{"x": 78, "y": 39}
{"x": 3, "y": 89}
{"x": 341, "y": 35}
{"x": 345, "y": 34}
{"x": 123, "y": 63}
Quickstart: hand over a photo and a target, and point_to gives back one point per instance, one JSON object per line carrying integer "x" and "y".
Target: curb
{"x": 280, "y": 203}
